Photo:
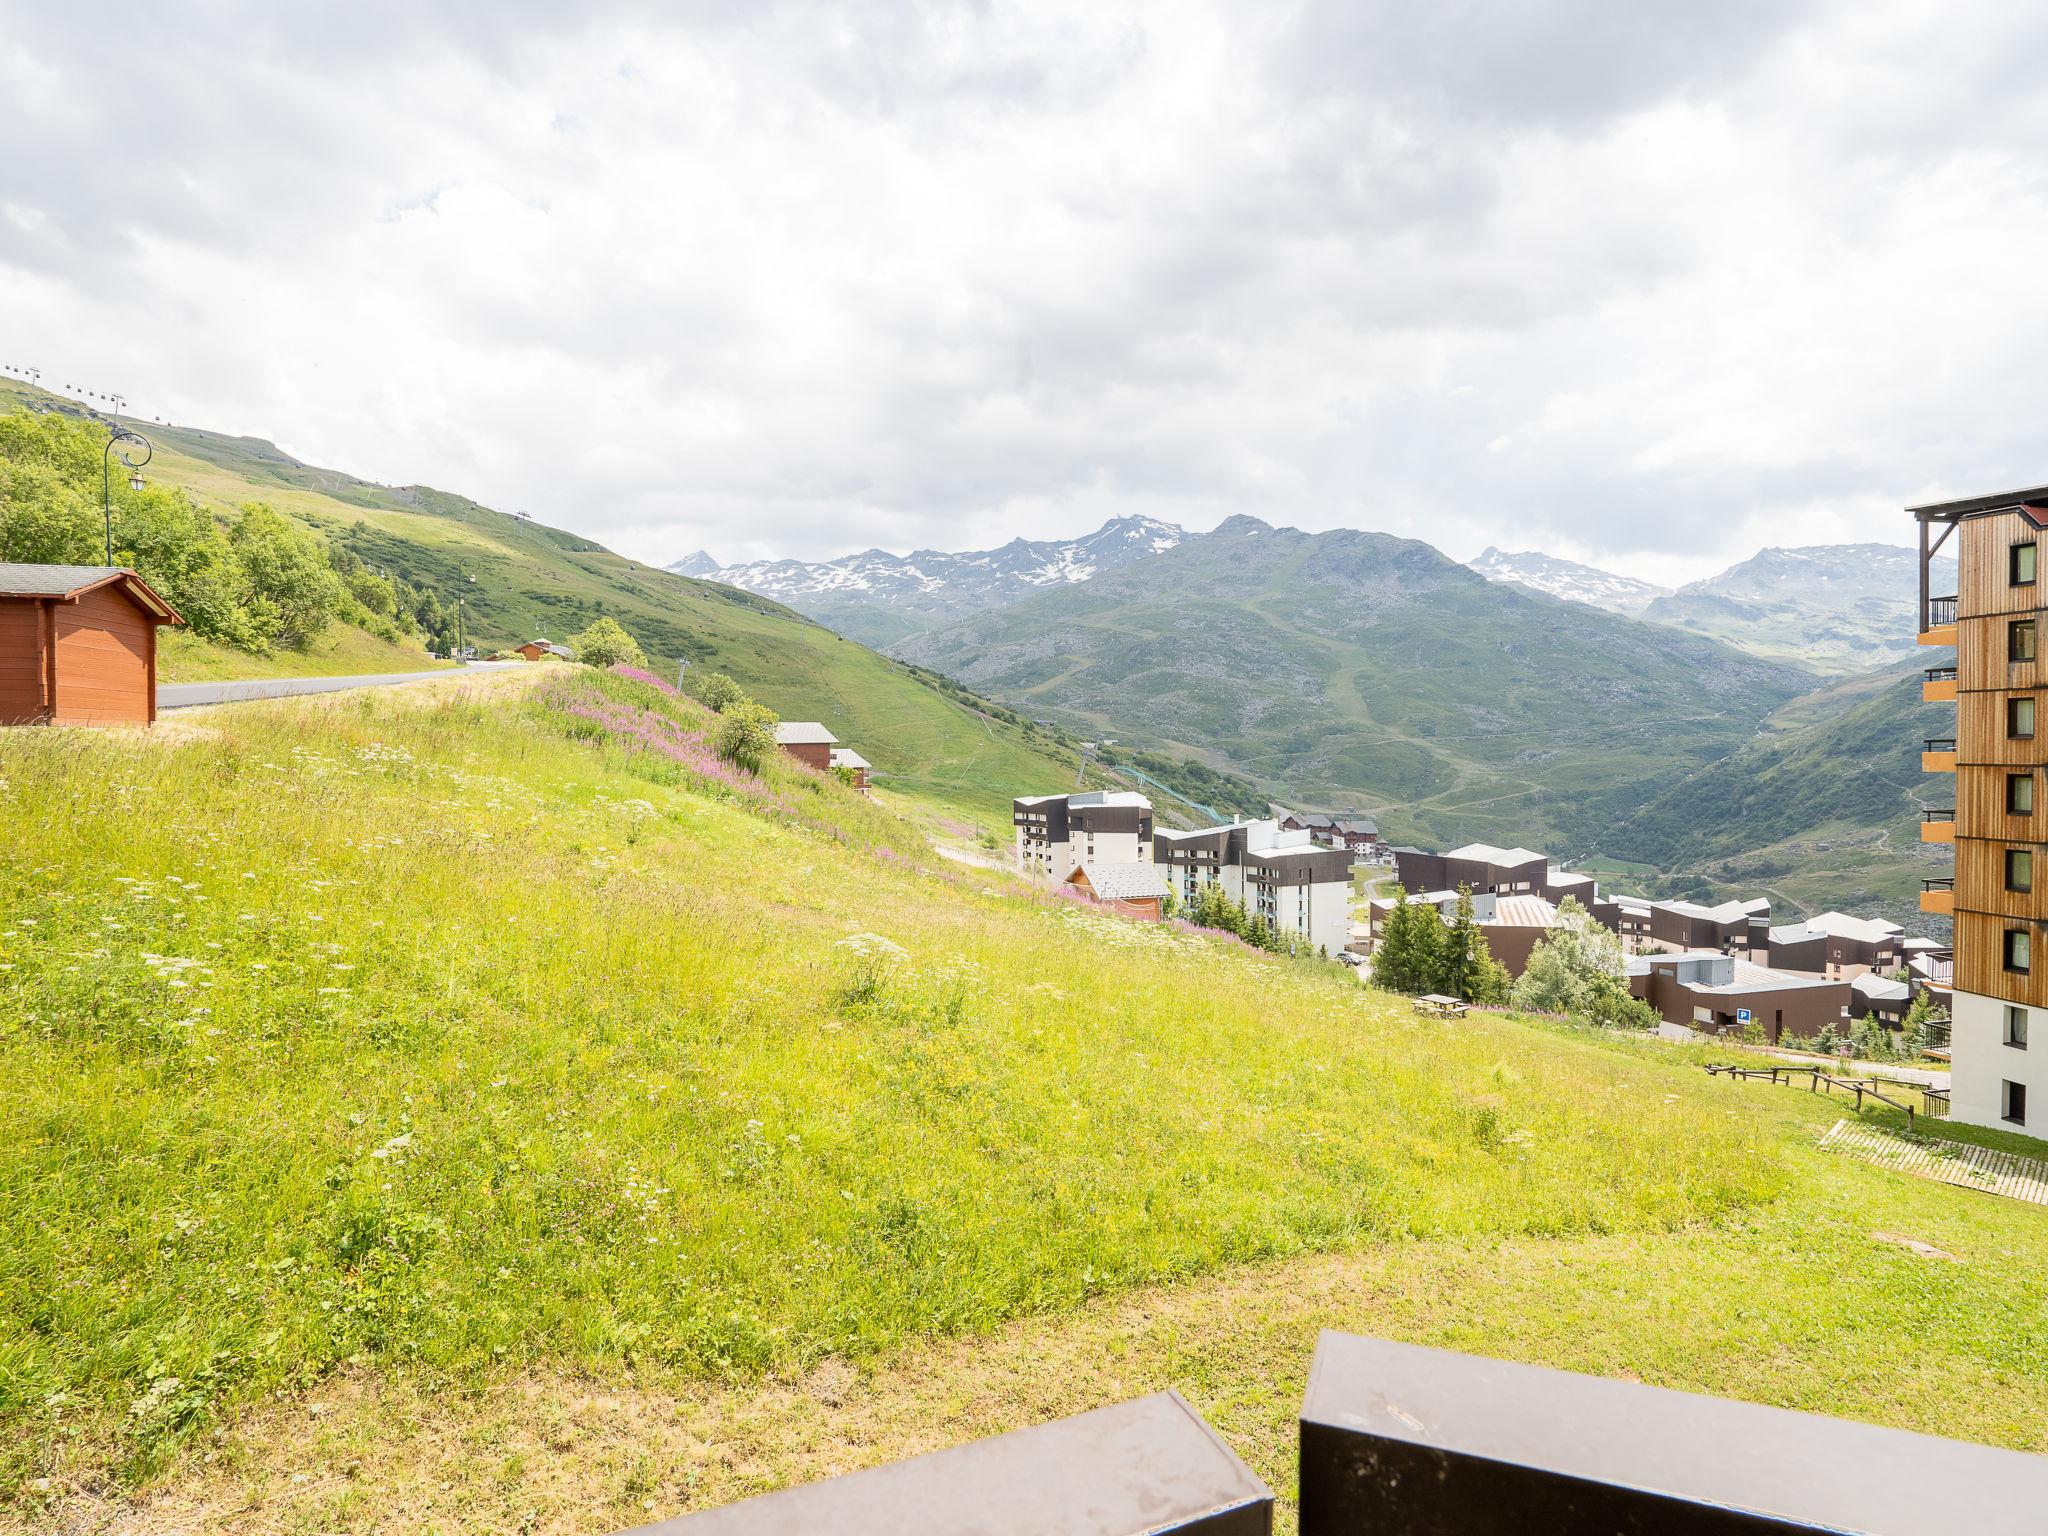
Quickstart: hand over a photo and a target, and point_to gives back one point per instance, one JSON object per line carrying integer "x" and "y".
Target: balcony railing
{"x": 1941, "y": 674}
{"x": 1945, "y": 883}
{"x": 1947, "y": 815}
{"x": 1941, "y": 743}
{"x": 1940, "y": 610}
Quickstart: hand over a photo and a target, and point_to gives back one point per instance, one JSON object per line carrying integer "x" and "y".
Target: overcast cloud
{"x": 1646, "y": 285}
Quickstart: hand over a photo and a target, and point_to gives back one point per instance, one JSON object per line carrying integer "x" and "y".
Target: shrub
{"x": 606, "y": 644}
{"x": 718, "y": 691}
{"x": 746, "y": 735}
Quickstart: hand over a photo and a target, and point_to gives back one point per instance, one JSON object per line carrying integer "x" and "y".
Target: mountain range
{"x": 1568, "y": 580}
{"x": 1839, "y": 608}
{"x": 1360, "y": 669}
{"x": 879, "y": 598}
{"x": 1835, "y": 608}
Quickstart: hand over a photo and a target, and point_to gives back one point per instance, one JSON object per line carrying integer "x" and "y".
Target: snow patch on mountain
{"x": 1568, "y": 580}
{"x": 934, "y": 584}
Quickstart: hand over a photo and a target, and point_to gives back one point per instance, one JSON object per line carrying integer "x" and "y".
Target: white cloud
{"x": 779, "y": 280}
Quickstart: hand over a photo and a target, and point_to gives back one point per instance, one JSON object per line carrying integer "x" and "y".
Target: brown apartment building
{"x": 1995, "y": 808}
{"x": 1723, "y": 994}
{"x": 1835, "y": 944}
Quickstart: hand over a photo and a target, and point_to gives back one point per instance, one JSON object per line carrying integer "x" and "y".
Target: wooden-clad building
{"x": 78, "y": 645}
{"x": 1997, "y": 808}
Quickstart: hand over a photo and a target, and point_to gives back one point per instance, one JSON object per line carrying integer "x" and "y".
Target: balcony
{"x": 1938, "y": 826}
{"x": 1941, "y": 622}
{"x": 1939, "y": 686}
{"x": 1938, "y": 897}
{"x": 1939, "y": 755}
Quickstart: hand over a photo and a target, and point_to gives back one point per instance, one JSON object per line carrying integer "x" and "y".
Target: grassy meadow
{"x": 342, "y": 650}
{"x": 475, "y": 1106}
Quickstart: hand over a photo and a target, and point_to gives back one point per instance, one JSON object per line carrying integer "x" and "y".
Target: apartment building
{"x": 1491, "y": 871}
{"x": 1839, "y": 946}
{"x": 1488, "y": 870}
{"x": 1359, "y": 835}
{"x": 1058, "y": 834}
{"x": 1718, "y": 993}
{"x": 1284, "y": 876}
{"x": 1995, "y": 813}
{"x": 1738, "y": 928}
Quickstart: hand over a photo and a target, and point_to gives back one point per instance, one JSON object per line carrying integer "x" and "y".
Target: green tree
{"x": 1410, "y": 954}
{"x": 718, "y": 691}
{"x": 290, "y": 588}
{"x": 181, "y": 549}
{"x": 1466, "y": 968}
{"x": 606, "y": 644}
{"x": 746, "y": 735}
{"x": 1579, "y": 967}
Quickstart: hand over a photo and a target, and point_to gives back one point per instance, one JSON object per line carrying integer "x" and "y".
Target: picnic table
{"x": 1437, "y": 1006}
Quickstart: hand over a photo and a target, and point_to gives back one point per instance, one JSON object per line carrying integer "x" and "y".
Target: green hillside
{"x": 518, "y": 579}
{"x": 1356, "y": 668}
{"x": 478, "y": 1107}
{"x": 1822, "y": 809}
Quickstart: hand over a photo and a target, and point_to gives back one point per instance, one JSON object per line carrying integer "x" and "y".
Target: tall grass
{"x": 449, "y": 1037}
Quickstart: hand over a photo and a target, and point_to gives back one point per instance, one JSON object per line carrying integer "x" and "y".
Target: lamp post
{"x": 127, "y": 441}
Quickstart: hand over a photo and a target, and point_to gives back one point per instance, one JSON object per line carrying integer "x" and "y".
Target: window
{"x": 2019, "y": 869}
{"x": 2022, "y": 566}
{"x": 2019, "y": 719}
{"x": 2019, "y": 794}
{"x": 2016, "y": 1028}
{"x": 2018, "y": 949}
{"x": 2016, "y": 1103}
{"x": 2019, "y": 640}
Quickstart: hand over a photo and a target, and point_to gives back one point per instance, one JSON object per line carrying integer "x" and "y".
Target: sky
{"x": 1649, "y": 286}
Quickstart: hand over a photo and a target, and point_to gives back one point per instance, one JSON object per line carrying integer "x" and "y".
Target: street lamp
{"x": 129, "y": 443}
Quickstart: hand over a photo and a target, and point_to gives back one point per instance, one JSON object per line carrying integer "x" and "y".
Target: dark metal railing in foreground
{"x": 1396, "y": 1438}
{"x": 1940, "y": 610}
{"x": 1400, "y": 1440}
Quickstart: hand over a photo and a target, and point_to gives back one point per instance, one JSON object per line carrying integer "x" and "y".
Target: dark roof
{"x": 66, "y": 582}
{"x": 2000, "y": 501}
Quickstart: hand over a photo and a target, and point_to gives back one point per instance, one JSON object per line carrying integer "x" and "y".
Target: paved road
{"x": 185, "y": 695}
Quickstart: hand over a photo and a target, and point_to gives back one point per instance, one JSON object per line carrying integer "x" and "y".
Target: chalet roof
{"x": 1123, "y": 882}
{"x": 1486, "y": 853}
{"x": 64, "y": 583}
{"x": 1523, "y": 912}
{"x": 1836, "y": 925}
{"x": 1726, "y": 912}
{"x": 846, "y": 757}
{"x": 1873, "y": 988}
{"x": 803, "y": 733}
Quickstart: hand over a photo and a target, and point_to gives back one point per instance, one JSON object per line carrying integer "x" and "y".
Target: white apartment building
{"x": 1286, "y": 877}
{"x": 1058, "y": 834}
